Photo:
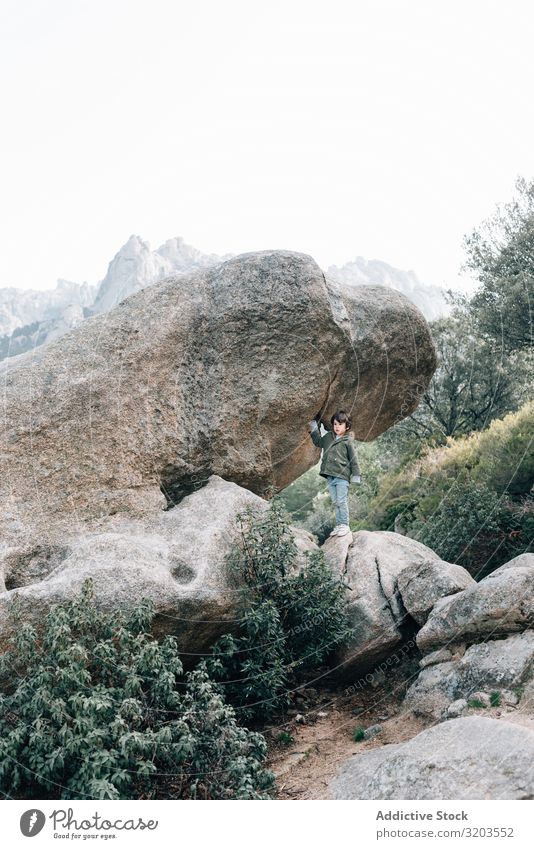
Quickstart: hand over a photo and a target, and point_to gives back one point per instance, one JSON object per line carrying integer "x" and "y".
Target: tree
{"x": 501, "y": 254}
{"x": 474, "y": 383}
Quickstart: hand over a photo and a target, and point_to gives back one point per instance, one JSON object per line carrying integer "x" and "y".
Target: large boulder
{"x": 177, "y": 559}
{"x": 495, "y": 665}
{"x": 471, "y": 757}
{"x": 380, "y": 599}
{"x": 214, "y": 372}
{"x": 500, "y": 604}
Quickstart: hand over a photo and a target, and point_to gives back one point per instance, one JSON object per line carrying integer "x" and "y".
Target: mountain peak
{"x": 134, "y": 245}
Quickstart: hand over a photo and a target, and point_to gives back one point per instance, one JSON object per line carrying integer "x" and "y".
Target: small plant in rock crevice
{"x": 495, "y": 698}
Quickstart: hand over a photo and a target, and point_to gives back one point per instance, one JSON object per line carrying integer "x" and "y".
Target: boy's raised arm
{"x": 315, "y": 434}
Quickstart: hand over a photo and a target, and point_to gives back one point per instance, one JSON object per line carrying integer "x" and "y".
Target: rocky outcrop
{"x": 467, "y": 758}
{"x": 500, "y": 604}
{"x": 421, "y": 585}
{"x": 206, "y": 374}
{"x": 496, "y": 666}
{"x": 176, "y": 559}
{"x": 387, "y": 577}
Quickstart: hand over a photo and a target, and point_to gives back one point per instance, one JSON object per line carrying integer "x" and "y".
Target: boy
{"x": 339, "y": 465}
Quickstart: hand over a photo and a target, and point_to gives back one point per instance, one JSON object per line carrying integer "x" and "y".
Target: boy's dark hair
{"x": 341, "y": 416}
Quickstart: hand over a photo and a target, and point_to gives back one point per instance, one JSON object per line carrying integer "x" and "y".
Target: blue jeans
{"x": 338, "y": 489}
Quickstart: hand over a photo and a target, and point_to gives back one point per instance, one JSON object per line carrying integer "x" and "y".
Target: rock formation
{"x": 495, "y": 665}
{"x": 29, "y": 318}
{"x": 468, "y": 758}
{"x": 500, "y": 604}
{"x": 478, "y": 641}
{"x": 214, "y": 373}
{"x": 176, "y": 558}
{"x": 393, "y": 582}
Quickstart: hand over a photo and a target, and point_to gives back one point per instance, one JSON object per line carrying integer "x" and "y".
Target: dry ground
{"x": 323, "y": 739}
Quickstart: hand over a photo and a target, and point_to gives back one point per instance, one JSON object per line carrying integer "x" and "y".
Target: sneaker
{"x": 343, "y": 529}
{"x": 335, "y": 532}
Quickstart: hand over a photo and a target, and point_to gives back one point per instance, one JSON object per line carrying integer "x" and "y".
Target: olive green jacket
{"x": 339, "y": 455}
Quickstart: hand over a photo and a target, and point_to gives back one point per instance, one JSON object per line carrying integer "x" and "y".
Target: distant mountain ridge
{"x": 360, "y": 272}
{"x": 30, "y": 318}
{"x": 24, "y": 306}
{"x": 136, "y": 266}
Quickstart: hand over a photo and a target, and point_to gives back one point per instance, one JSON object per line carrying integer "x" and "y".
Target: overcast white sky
{"x": 385, "y": 129}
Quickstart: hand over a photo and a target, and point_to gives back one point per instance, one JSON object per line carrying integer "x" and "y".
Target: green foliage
{"x": 502, "y": 455}
{"x": 358, "y": 734}
{"x": 467, "y": 519}
{"x": 495, "y": 698}
{"x": 475, "y": 382}
{"x": 400, "y": 507}
{"x": 285, "y": 738}
{"x": 300, "y": 498}
{"x": 292, "y": 618}
{"x": 475, "y": 703}
{"x": 90, "y": 708}
{"x": 252, "y": 667}
{"x": 469, "y": 500}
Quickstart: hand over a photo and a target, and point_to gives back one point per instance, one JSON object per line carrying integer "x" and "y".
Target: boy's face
{"x": 339, "y": 429}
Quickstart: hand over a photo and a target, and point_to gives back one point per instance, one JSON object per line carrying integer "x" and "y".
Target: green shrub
{"x": 358, "y": 734}
{"x": 403, "y": 508}
{"x": 466, "y": 522}
{"x": 90, "y": 708}
{"x": 251, "y": 667}
{"x": 470, "y": 499}
{"x": 475, "y": 703}
{"x": 291, "y": 620}
{"x": 504, "y": 453}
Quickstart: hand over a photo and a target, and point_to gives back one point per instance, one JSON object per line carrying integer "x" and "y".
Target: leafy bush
{"x": 466, "y": 520}
{"x": 292, "y": 618}
{"x": 469, "y": 500}
{"x": 90, "y": 708}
